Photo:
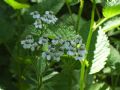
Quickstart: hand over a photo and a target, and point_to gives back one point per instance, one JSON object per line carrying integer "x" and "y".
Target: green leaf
{"x": 114, "y": 60}
{"x": 73, "y": 2}
{"x": 52, "y": 5}
{"x": 114, "y": 56}
{"x": 111, "y": 24}
{"x": 47, "y": 77}
{"x": 16, "y": 5}
{"x": 40, "y": 65}
{"x": 99, "y": 86}
{"x": 112, "y": 8}
{"x": 66, "y": 80}
{"x": 101, "y": 52}
{"x": 67, "y": 32}
{"x": 7, "y": 30}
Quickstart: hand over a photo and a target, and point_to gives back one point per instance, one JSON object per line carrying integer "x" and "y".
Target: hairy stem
{"x": 82, "y": 74}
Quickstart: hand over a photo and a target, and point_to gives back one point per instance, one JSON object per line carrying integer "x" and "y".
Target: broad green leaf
{"x": 111, "y": 24}
{"x": 16, "y": 5}
{"x": 101, "y": 52}
{"x": 112, "y": 8}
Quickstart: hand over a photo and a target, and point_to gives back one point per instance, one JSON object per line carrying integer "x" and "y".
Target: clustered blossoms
{"x": 47, "y": 18}
{"x": 29, "y": 43}
{"x": 57, "y": 47}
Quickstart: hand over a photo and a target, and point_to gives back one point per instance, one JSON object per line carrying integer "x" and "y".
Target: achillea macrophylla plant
{"x": 53, "y": 55}
{"x": 56, "y": 44}
{"x": 64, "y": 41}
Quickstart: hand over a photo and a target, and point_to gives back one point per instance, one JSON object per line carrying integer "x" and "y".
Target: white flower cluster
{"x": 29, "y": 43}
{"x": 58, "y": 47}
{"x": 47, "y": 18}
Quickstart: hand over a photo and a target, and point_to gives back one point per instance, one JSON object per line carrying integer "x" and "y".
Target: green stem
{"x": 82, "y": 74}
{"x": 91, "y": 26}
{"x": 102, "y": 21}
{"x": 88, "y": 45}
{"x": 39, "y": 82}
{"x": 79, "y": 15}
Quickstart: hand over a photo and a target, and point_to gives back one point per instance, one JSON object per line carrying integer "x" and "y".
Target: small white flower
{"x": 66, "y": 45}
{"x": 49, "y": 18}
{"x": 71, "y": 53}
{"x": 42, "y": 40}
{"x": 33, "y": 46}
{"x": 81, "y": 52}
{"x": 55, "y": 41}
{"x": 35, "y": 14}
{"x": 38, "y": 24}
{"x": 29, "y": 43}
{"x": 78, "y": 58}
{"x": 46, "y": 55}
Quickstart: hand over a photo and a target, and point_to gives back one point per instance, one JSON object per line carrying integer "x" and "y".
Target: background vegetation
{"x": 16, "y": 70}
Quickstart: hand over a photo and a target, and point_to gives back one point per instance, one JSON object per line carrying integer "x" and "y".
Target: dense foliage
{"x": 59, "y": 44}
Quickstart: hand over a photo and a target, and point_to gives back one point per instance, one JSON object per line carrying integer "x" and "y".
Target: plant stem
{"x": 91, "y": 26}
{"x": 79, "y": 15}
{"x": 82, "y": 74}
{"x": 102, "y": 21}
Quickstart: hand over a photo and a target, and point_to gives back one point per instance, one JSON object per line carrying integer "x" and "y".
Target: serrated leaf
{"x": 16, "y": 5}
{"x": 111, "y": 9}
{"x": 67, "y": 32}
{"x": 101, "y": 52}
{"x": 111, "y": 24}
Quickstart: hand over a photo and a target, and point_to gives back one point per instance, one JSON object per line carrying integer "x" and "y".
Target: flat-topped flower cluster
{"x": 55, "y": 47}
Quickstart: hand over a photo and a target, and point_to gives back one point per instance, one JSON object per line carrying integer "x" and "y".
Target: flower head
{"x": 38, "y": 24}
{"x": 35, "y": 14}
{"x": 29, "y": 43}
{"x": 49, "y": 18}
